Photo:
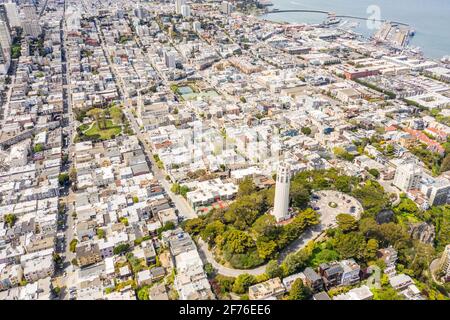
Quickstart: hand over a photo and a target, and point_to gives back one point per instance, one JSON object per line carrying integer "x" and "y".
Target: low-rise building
{"x": 272, "y": 288}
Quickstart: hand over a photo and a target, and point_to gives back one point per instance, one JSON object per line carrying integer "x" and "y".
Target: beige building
{"x": 272, "y": 288}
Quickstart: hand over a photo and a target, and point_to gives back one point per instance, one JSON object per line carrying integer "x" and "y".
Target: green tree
{"x": 265, "y": 225}
{"x": 346, "y": 222}
{"x": 212, "y": 230}
{"x": 299, "y": 195}
{"x": 121, "y": 248}
{"x": 306, "y": 131}
{"x": 374, "y": 172}
{"x": 243, "y": 282}
{"x": 142, "y": 293}
{"x": 194, "y": 226}
{"x": 386, "y": 294}
{"x": 343, "y": 154}
{"x": 368, "y": 227}
{"x": 184, "y": 190}
{"x": 309, "y": 217}
{"x": 372, "y": 197}
{"x": 73, "y": 245}
{"x": 350, "y": 245}
{"x": 38, "y": 147}
{"x": 116, "y": 114}
{"x": 168, "y": 226}
{"x": 392, "y": 234}
{"x": 246, "y": 187}
{"x": 101, "y": 233}
{"x": 97, "y": 114}
{"x": 299, "y": 291}
{"x": 266, "y": 249}
{"x": 56, "y": 291}
{"x": 10, "y": 219}
{"x": 343, "y": 184}
{"x": 389, "y": 150}
{"x": 407, "y": 206}
{"x": 225, "y": 283}
{"x": 57, "y": 258}
{"x": 294, "y": 262}
{"x": 445, "y": 165}
{"x": 209, "y": 269}
{"x": 324, "y": 256}
{"x": 124, "y": 221}
{"x": 370, "y": 253}
{"x": 273, "y": 269}
{"x": 235, "y": 241}
{"x": 63, "y": 179}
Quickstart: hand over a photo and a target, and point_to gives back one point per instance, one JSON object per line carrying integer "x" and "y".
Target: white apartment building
{"x": 13, "y": 14}
{"x": 408, "y": 176}
{"x": 178, "y": 5}
{"x": 5, "y": 37}
{"x": 38, "y": 268}
{"x": 186, "y": 11}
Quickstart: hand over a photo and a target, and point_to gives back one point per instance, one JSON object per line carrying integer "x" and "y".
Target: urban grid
{"x": 195, "y": 150}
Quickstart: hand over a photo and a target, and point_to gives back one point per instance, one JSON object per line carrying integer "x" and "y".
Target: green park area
{"x": 244, "y": 236}
{"x": 105, "y": 132}
{"x": 107, "y": 124}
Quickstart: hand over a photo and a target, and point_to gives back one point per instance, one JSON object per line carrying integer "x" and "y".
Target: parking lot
{"x": 330, "y": 203}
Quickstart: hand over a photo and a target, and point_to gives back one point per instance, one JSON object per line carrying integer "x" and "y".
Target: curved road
{"x": 327, "y": 220}
{"x": 298, "y": 244}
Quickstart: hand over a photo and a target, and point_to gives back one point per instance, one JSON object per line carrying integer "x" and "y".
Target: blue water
{"x": 429, "y": 18}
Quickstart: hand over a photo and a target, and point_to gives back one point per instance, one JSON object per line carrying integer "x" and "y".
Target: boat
{"x": 331, "y": 21}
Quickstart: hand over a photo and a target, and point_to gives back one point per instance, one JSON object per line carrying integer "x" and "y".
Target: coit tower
{"x": 281, "y": 204}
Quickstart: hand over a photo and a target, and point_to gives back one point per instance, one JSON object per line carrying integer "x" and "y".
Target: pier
{"x": 332, "y": 14}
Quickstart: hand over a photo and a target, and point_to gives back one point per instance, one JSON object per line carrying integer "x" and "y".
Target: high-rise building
{"x": 140, "y": 12}
{"x": 185, "y": 11}
{"x": 31, "y": 28}
{"x": 408, "y": 176}
{"x": 178, "y": 4}
{"x": 226, "y": 7}
{"x": 30, "y": 21}
{"x": 4, "y": 61}
{"x": 29, "y": 12}
{"x": 169, "y": 58}
{"x": 197, "y": 26}
{"x": 13, "y": 14}
{"x": 5, "y": 36}
{"x": 439, "y": 193}
{"x": 281, "y": 203}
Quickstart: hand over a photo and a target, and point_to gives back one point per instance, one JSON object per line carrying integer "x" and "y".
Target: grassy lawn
{"x": 104, "y": 134}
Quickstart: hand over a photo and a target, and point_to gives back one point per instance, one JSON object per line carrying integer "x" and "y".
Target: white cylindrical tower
{"x": 281, "y": 203}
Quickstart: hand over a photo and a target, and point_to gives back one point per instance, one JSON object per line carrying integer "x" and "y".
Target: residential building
{"x": 408, "y": 176}
{"x": 272, "y": 288}
{"x": 313, "y": 280}
{"x": 351, "y": 272}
